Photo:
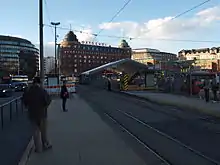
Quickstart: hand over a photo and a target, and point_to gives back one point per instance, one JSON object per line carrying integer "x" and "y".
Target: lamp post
{"x": 41, "y": 41}
{"x": 55, "y": 24}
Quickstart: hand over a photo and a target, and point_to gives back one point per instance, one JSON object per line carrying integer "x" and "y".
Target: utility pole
{"x": 58, "y": 56}
{"x": 55, "y": 24}
{"x": 41, "y": 32}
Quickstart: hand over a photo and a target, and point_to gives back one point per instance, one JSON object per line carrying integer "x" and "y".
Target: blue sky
{"x": 20, "y": 18}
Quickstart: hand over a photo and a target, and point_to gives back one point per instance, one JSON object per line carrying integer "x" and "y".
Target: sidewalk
{"x": 79, "y": 136}
{"x": 180, "y": 101}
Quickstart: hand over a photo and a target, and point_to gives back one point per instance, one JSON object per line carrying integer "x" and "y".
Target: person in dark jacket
{"x": 37, "y": 100}
{"x": 109, "y": 85}
{"x": 64, "y": 95}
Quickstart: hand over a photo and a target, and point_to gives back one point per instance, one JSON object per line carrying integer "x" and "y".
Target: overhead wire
{"x": 175, "y": 17}
{"x": 146, "y": 38}
{"x": 179, "y": 15}
{"x": 114, "y": 16}
{"x": 48, "y": 14}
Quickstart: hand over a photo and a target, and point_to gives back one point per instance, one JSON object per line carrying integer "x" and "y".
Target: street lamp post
{"x": 55, "y": 24}
{"x": 41, "y": 41}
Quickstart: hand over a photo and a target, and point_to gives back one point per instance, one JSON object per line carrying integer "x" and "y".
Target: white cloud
{"x": 48, "y": 48}
{"x": 15, "y": 35}
{"x": 166, "y": 28}
{"x": 19, "y": 36}
{"x": 210, "y": 14}
{"x": 85, "y": 35}
{"x": 85, "y": 31}
{"x": 50, "y": 43}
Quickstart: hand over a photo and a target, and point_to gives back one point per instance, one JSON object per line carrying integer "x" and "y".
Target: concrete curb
{"x": 199, "y": 108}
{"x": 25, "y": 157}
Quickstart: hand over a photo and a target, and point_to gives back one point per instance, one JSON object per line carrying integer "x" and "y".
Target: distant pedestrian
{"x": 206, "y": 87}
{"x": 214, "y": 86}
{"x": 37, "y": 100}
{"x": 109, "y": 85}
{"x": 64, "y": 94}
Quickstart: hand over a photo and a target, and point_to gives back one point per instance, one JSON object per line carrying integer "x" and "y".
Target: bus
{"x": 19, "y": 78}
{"x": 19, "y": 82}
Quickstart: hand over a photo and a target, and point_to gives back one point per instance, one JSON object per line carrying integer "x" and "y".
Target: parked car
{"x": 19, "y": 87}
{"x": 5, "y": 90}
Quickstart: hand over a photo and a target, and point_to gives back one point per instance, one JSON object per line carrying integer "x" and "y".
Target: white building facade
{"x": 49, "y": 64}
{"x": 206, "y": 58}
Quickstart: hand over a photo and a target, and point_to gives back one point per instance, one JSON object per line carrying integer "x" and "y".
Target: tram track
{"x": 209, "y": 123}
{"x": 165, "y": 147}
{"x": 189, "y": 155}
{"x": 168, "y": 137}
{"x": 163, "y": 160}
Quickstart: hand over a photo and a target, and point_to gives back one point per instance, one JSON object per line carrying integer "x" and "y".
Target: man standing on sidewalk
{"x": 64, "y": 94}
{"x": 206, "y": 88}
{"x": 214, "y": 89}
{"x": 37, "y": 100}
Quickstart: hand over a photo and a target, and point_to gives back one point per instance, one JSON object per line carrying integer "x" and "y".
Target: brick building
{"x": 76, "y": 57}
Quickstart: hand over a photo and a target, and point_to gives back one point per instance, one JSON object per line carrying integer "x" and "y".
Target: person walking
{"x": 64, "y": 95}
{"x": 109, "y": 85}
{"x": 214, "y": 89}
{"x": 37, "y": 100}
{"x": 206, "y": 88}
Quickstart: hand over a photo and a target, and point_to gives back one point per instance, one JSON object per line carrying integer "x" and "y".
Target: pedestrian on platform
{"x": 206, "y": 87}
{"x": 37, "y": 100}
{"x": 109, "y": 85}
{"x": 64, "y": 94}
{"x": 214, "y": 85}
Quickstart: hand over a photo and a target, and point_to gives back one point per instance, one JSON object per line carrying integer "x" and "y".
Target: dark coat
{"x": 37, "y": 100}
{"x": 64, "y": 94}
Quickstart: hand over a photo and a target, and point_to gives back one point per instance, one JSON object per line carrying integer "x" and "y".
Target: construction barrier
{"x": 125, "y": 82}
{"x": 55, "y": 90}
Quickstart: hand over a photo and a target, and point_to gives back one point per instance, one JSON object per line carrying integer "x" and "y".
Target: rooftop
{"x": 12, "y": 38}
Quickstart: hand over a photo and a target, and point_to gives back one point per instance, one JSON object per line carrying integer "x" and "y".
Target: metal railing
{"x": 11, "y": 110}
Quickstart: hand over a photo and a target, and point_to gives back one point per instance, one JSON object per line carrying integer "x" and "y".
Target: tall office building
{"x": 49, "y": 64}
{"x": 18, "y": 56}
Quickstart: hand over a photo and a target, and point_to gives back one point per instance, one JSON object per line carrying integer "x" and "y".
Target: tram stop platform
{"x": 79, "y": 136}
{"x": 187, "y": 103}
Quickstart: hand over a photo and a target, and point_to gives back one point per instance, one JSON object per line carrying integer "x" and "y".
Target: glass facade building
{"x": 18, "y": 56}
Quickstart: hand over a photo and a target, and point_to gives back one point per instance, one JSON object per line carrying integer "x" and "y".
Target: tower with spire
{"x": 123, "y": 44}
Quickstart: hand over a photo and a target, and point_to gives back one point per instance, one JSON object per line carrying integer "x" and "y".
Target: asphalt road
{"x": 16, "y": 132}
{"x": 159, "y": 134}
